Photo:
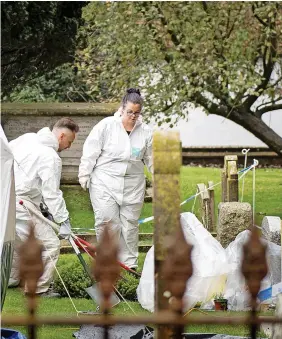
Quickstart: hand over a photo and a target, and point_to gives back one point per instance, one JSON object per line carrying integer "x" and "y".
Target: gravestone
{"x": 271, "y": 229}
{"x": 277, "y": 328}
{"x": 19, "y": 118}
{"x": 233, "y": 218}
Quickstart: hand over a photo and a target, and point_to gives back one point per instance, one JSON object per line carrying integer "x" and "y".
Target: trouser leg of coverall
{"x": 14, "y": 279}
{"x": 123, "y": 221}
{"x": 129, "y": 215}
{"x": 106, "y": 211}
{"x": 50, "y": 254}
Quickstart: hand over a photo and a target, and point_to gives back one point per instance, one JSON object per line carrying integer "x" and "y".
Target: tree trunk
{"x": 256, "y": 126}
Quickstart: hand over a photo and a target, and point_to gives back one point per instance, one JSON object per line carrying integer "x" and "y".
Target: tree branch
{"x": 268, "y": 68}
{"x": 159, "y": 41}
{"x": 174, "y": 38}
{"x": 210, "y": 106}
{"x": 258, "y": 18}
{"x": 276, "y": 83}
{"x": 205, "y": 6}
{"x": 266, "y": 109}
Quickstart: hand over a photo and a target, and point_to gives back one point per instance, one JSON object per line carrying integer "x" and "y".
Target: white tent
{"x": 8, "y": 213}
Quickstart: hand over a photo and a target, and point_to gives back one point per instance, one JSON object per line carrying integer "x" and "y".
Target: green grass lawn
{"x": 268, "y": 202}
{"x": 15, "y": 304}
{"x": 268, "y": 195}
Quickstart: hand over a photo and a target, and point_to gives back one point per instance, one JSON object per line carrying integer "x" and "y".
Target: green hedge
{"x": 76, "y": 280}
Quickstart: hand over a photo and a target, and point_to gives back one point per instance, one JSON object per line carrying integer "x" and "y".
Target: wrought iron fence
{"x": 173, "y": 265}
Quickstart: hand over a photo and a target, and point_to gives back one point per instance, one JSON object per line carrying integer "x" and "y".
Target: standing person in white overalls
{"x": 37, "y": 171}
{"x": 112, "y": 167}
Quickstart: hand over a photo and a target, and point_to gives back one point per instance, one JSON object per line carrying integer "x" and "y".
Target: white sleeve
{"x": 148, "y": 157}
{"x": 92, "y": 149}
{"x": 50, "y": 173}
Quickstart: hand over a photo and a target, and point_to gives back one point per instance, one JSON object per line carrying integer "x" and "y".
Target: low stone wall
{"x": 18, "y": 118}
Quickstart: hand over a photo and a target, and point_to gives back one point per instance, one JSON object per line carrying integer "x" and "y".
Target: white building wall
{"x": 211, "y": 130}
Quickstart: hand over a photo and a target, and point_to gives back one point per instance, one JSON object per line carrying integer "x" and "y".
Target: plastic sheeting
{"x": 236, "y": 290}
{"x": 8, "y": 213}
{"x": 215, "y": 270}
{"x": 7, "y": 333}
{"x": 8, "y": 201}
{"x": 115, "y": 332}
{"x": 209, "y": 262}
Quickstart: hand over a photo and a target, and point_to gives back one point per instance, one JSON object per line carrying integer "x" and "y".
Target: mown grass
{"x": 15, "y": 304}
{"x": 268, "y": 202}
{"x": 268, "y": 195}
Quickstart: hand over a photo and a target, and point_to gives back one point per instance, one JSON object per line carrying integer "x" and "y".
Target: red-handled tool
{"x": 91, "y": 249}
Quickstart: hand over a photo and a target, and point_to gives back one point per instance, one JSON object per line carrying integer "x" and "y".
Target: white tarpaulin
{"x": 210, "y": 267}
{"x": 8, "y": 212}
{"x": 236, "y": 289}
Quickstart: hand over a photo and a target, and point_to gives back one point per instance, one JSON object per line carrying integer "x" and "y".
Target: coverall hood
{"x": 48, "y": 138}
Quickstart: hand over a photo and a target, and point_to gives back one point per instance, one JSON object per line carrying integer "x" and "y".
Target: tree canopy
{"x": 222, "y": 56}
{"x": 36, "y": 36}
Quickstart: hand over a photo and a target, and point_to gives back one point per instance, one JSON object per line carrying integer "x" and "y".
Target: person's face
{"x": 66, "y": 138}
{"x": 131, "y": 112}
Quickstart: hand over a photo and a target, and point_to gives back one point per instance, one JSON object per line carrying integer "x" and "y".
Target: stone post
{"x": 233, "y": 218}
{"x": 211, "y": 206}
{"x": 167, "y": 162}
{"x": 204, "y": 202}
{"x": 207, "y": 205}
{"x": 229, "y": 179}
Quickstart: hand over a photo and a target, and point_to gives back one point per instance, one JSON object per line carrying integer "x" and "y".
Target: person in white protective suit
{"x": 37, "y": 169}
{"x": 112, "y": 167}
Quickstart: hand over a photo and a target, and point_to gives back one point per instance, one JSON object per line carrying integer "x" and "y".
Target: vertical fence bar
{"x": 31, "y": 269}
{"x": 106, "y": 270}
{"x": 166, "y": 178}
{"x": 176, "y": 270}
{"x": 254, "y": 269}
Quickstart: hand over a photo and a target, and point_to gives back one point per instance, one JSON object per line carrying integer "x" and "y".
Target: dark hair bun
{"x": 133, "y": 90}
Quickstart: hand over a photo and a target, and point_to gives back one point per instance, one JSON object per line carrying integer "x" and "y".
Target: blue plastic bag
{"x": 7, "y": 333}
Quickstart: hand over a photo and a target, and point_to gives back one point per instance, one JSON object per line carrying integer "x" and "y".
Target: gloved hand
{"x": 45, "y": 212}
{"x": 65, "y": 229}
{"x": 85, "y": 182}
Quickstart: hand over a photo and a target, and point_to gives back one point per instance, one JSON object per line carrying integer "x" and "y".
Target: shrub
{"x": 76, "y": 280}
{"x": 74, "y": 277}
{"x": 127, "y": 286}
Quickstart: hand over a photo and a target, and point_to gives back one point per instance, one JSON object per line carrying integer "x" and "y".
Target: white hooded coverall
{"x": 114, "y": 162}
{"x": 37, "y": 170}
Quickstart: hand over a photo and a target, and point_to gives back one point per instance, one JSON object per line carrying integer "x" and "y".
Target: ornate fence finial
{"x": 254, "y": 265}
{"x": 31, "y": 264}
{"x": 106, "y": 269}
{"x": 31, "y": 269}
{"x": 177, "y": 269}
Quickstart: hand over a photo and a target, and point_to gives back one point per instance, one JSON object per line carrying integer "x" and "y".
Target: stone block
{"x": 277, "y": 329}
{"x": 271, "y": 229}
{"x": 233, "y": 218}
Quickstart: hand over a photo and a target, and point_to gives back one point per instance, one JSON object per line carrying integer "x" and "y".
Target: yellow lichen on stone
{"x": 166, "y": 152}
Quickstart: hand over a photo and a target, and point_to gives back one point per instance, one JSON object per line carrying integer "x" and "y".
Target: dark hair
{"x": 132, "y": 95}
{"x": 66, "y": 123}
